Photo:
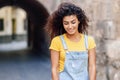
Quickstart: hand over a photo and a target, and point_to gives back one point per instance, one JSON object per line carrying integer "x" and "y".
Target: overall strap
{"x": 63, "y": 42}
{"x": 86, "y": 41}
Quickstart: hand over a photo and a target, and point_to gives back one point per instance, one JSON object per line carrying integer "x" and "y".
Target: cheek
{"x": 75, "y": 25}
{"x": 64, "y": 26}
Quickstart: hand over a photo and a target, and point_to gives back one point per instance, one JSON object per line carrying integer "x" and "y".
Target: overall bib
{"x": 76, "y": 63}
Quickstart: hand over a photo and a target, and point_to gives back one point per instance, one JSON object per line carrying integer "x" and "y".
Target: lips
{"x": 70, "y": 31}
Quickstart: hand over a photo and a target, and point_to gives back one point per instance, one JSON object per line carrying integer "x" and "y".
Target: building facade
{"x": 13, "y": 24}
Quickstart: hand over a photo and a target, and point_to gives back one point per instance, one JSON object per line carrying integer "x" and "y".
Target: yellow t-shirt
{"x": 56, "y": 44}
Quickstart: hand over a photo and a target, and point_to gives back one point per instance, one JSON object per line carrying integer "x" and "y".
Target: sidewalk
{"x": 15, "y": 45}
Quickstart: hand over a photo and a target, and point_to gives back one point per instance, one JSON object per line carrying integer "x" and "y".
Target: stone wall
{"x": 104, "y": 16}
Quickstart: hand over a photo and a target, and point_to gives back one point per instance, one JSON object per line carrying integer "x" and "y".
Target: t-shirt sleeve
{"x": 91, "y": 43}
{"x": 55, "y": 44}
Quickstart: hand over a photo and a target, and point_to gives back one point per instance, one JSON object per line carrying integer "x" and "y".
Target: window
{"x": 1, "y": 25}
{"x": 25, "y": 24}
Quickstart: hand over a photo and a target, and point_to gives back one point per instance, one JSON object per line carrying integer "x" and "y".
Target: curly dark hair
{"x": 54, "y": 25}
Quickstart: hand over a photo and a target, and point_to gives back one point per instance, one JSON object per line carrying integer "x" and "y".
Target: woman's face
{"x": 70, "y": 24}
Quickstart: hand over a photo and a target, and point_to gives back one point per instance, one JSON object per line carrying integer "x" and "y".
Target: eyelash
{"x": 73, "y": 22}
{"x": 68, "y": 23}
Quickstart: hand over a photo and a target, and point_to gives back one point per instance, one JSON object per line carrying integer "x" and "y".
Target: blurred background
{"x": 24, "y": 53}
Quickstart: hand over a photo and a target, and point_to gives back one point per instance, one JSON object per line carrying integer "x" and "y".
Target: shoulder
{"x": 90, "y": 38}
{"x": 91, "y": 42}
{"x": 55, "y": 43}
{"x": 56, "y": 38}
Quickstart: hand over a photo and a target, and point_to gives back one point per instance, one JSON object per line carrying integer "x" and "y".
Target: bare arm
{"x": 92, "y": 64}
{"x": 54, "y": 64}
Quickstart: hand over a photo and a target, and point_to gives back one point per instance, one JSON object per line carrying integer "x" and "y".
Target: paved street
{"x": 23, "y": 65}
{"x": 12, "y": 46}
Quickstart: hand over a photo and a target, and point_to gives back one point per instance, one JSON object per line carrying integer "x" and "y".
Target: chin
{"x": 71, "y": 33}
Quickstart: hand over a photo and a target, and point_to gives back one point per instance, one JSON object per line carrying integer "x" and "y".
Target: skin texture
{"x": 70, "y": 24}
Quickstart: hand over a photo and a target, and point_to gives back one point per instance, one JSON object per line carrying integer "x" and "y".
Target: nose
{"x": 70, "y": 26}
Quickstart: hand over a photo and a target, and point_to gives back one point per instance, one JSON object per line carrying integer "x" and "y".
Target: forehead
{"x": 70, "y": 18}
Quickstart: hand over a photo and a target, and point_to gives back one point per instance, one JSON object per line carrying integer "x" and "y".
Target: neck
{"x": 75, "y": 37}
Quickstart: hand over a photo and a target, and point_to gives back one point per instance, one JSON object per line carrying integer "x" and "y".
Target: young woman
{"x": 72, "y": 51}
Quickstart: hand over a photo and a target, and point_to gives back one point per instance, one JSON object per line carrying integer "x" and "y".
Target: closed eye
{"x": 73, "y": 22}
{"x": 65, "y": 23}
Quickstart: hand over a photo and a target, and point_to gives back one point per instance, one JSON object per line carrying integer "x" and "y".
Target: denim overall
{"x": 76, "y": 63}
